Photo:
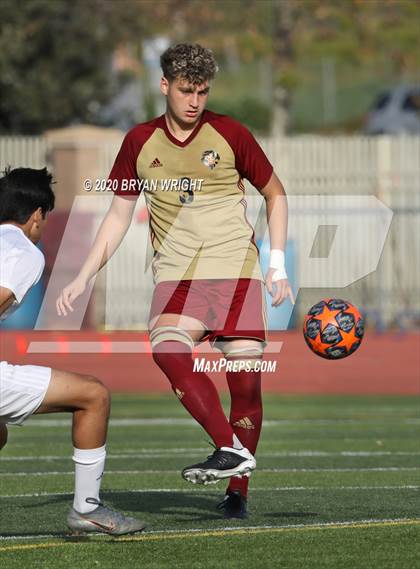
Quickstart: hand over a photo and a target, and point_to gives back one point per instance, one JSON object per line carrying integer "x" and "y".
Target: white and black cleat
{"x": 223, "y": 463}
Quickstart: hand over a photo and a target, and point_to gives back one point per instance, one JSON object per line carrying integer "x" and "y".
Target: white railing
{"x": 27, "y": 151}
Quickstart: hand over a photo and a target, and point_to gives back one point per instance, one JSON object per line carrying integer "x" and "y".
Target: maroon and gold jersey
{"x": 195, "y": 195}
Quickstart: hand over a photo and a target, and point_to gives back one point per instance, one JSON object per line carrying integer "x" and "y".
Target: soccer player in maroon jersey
{"x": 190, "y": 163}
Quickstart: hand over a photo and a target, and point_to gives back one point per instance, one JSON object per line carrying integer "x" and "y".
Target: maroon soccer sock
{"x": 195, "y": 390}
{"x": 246, "y": 414}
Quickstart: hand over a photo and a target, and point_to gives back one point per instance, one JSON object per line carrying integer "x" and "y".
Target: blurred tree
{"x": 284, "y": 61}
{"x": 58, "y": 57}
{"x": 56, "y": 60}
{"x": 365, "y": 33}
{"x": 61, "y": 59}
{"x": 373, "y": 34}
{"x": 248, "y": 110}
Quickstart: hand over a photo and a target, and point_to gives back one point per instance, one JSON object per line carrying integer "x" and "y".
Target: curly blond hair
{"x": 192, "y": 62}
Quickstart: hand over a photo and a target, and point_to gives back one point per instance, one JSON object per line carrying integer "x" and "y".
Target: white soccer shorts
{"x": 22, "y": 390}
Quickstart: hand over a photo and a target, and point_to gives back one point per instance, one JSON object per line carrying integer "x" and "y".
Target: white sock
{"x": 89, "y": 468}
{"x": 237, "y": 443}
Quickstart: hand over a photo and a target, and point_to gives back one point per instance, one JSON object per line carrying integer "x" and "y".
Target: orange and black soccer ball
{"x": 333, "y": 328}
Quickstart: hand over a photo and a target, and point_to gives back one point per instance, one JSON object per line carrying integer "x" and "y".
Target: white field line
{"x": 265, "y": 470}
{"x": 173, "y": 421}
{"x": 162, "y": 453}
{"x": 176, "y": 451}
{"x": 222, "y": 530}
{"x": 206, "y": 490}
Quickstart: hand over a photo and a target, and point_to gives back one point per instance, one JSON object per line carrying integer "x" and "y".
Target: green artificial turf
{"x": 348, "y": 461}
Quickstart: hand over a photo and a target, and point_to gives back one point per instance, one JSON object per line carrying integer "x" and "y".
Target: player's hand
{"x": 68, "y": 295}
{"x": 279, "y": 290}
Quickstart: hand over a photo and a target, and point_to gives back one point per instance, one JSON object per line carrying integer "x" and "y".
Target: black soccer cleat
{"x": 223, "y": 463}
{"x": 233, "y": 505}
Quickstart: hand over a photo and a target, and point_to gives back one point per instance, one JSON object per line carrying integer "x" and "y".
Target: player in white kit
{"x": 26, "y": 198}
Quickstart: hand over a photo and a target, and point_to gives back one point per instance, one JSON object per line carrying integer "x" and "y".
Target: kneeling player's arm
{"x": 110, "y": 234}
{"x": 7, "y": 298}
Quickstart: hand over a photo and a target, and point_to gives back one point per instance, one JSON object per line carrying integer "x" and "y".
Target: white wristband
{"x": 277, "y": 262}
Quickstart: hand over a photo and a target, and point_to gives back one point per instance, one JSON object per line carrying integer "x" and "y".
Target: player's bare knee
{"x": 98, "y": 395}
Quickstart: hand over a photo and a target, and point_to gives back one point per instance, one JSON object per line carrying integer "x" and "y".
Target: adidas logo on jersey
{"x": 245, "y": 423}
{"x": 156, "y": 163}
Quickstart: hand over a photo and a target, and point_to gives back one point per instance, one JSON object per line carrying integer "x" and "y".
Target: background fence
{"x": 385, "y": 167}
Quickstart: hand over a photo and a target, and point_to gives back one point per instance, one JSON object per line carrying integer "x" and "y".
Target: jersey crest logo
{"x": 210, "y": 158}
{"x": 156, "y": 163}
